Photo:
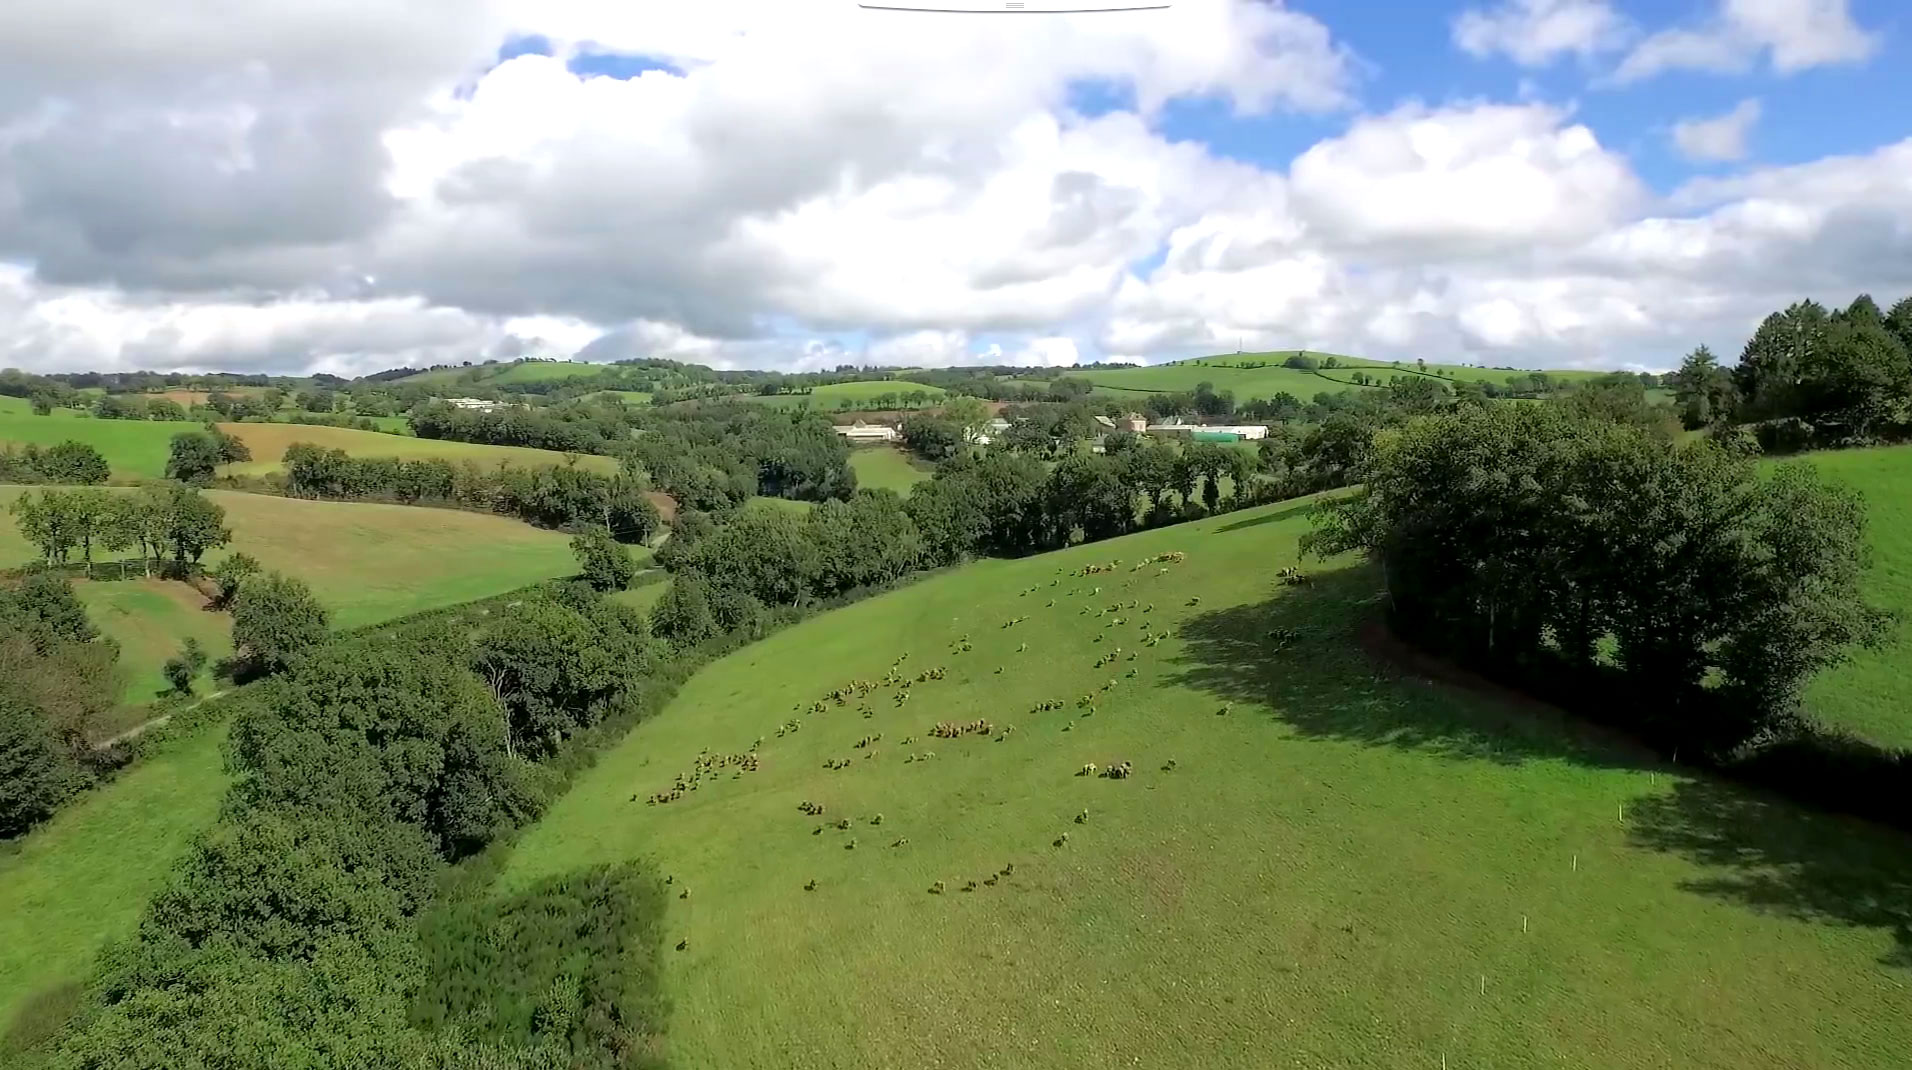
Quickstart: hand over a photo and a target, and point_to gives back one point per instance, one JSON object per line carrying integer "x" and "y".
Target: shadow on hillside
{"x": 1325, "y": 684}
{"x": 1778, "y": 858}
{"x": 1275, "y": 517}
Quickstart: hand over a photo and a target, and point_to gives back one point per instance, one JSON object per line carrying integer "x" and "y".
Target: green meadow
{"x": 508, "y": 374}
{"x": 886, "y": 468}
{"x": 1869, "y": 695}
{"x": 84, "y": 877}
{"x": 1319, "y": 859}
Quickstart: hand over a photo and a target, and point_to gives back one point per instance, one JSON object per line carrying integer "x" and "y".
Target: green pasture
{"x": 268, "y": 444}
{"x": 1870, "y": 694}
{"x": 1320, "y": 859}
{"x": 134, "y": 449}
{"x": 509, "y": 374}
{"x": 887, "y": 468}
{"x": 84, "y": 877}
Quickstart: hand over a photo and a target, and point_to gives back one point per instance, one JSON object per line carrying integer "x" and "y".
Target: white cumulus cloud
{"x": 1722, "y": 137}
{"x": 1792, "y": 35}
{"x": 1534, "y": 33}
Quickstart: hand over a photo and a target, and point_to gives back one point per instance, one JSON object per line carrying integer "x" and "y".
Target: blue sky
{"x": 777, "y": 183}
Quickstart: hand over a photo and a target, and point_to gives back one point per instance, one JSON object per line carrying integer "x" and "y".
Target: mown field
{"x": 887, "y": 468}
{"x": 150, "y": 619}
{"x": 1318, "y": 860}
{"x": 1870, "y": 695}
{"x": 856, "y": 395}
{"x": 138, "y": 449}
{"x": 268, "y": 443}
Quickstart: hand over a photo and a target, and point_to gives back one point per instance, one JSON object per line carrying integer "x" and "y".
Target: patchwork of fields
{"x": 1316, "y": 861}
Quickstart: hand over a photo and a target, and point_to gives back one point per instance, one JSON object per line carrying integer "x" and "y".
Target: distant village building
{"x": 1135, "y": 423}
{"x": 860, "y": 432}
{"x": 1211, "y": 432}
{"x": 1105, "y": 423}
{"x": 477, "y": 404}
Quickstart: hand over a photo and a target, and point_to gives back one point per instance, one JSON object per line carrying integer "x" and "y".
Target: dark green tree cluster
{"x": 715, "y": 457}
{"x": 195, "y": 456}
{"x": 57, "y": 677}
{"x": 74, "y": 463}
{"x": 566, "y": 498}
{"x": 1811, "y": 377}
{"x": 290, "y": 936}
{"x": 1670, "y": 588}
{"x": 566, "y": 428}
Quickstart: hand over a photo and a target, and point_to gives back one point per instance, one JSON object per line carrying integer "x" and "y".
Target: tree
{"x": 232, "y": 573}
{"x": 165, "y": 409}
{"x": 969, "y": 415}
{"x": 194, "y": 458}
{"x": 186, "y": 521}
{"x": 683, "y": 614}
{"x": 1704, "y": 390}
{"x": 36, "y": 775}
{"x": 183, "y": 667}
{"x": 275, "y": 619}
{"x": 602, "y": 562}
{"x": 47, "y": 521}
{"x": 42, "y": 405}
{"x": 72, "y": 462}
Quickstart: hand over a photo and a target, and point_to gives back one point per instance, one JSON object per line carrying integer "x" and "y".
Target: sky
{"x": 353, "y": 185}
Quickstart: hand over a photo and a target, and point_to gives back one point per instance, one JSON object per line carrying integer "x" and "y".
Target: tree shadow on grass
{"x": 1325, "y": 682}
{"x": 1275, "y": 517}
{"x": 1779, "y": 858}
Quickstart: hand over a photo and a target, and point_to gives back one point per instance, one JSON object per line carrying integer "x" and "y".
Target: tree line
{"x": 1668, "y": 589}
{"x": 565, "y": 497}
{"x": 1810, "y": 377}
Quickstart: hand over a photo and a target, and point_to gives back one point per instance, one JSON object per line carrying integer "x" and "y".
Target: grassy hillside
{"x": 884, "y": 467}
{"x": 134, "y": 449}
{"x": 1868, "y": 696}
{"x": 268, "y": 443}
{"x": 846, "y": 395}
{"x": 150, "y": 619}
{"x": 508, "y": 374}
{"x": 1227, "y": 373}
{"x": 1317, "y": 862}
{"x": 630, "y": 397}
{"x": 85, "y": 876}
{"x": 137, "y": 449}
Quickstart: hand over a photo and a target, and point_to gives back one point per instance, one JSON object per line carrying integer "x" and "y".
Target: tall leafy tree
{"x": 275, "y": 620}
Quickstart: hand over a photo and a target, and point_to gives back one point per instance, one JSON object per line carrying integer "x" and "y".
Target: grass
{"x": 137, "y": 449}
{"x": 887, "y": 468}
{"x": 631, "y": 397}
{"x": 150, "y": 619}
{"x": 134, "y": 449}
{"x": 370, "y": 562}
{"x": 508, "y": 374}
{"x": 1351, "y": 867}
{"x": 1868, "y": 695}
{"x": 855, "y": 395}
{"x": 268, "y": 443}
{"x": 788, "y": 505}
{"x": 85, "y": 876}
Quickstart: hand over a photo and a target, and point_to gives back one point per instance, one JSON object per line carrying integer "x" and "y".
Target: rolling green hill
{"x": 1262, "y": 375}
{"x": 508, "y": 374}
{"x": 1318, "y": 860}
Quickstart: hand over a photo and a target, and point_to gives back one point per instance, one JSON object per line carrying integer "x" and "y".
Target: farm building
{"x": 477, "y": 404}
{"x": 1211, "y": 432}
{"x": 860, "y": 432}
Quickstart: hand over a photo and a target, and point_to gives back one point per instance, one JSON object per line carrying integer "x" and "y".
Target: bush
{"x": 602, "y": 562}
{"x": 275, "y": 619}
{"x": 183, "y": 667}
{"x": 36, "y": 774}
